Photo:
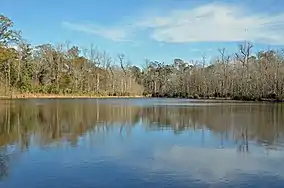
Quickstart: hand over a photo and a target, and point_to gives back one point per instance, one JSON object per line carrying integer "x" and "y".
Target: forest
{"x": 65, "y": 69}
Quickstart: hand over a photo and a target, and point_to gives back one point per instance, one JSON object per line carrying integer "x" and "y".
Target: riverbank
{"x": 54, "y": 96}
{"x": 228, "y": 99}
{"x": 74, "y": 96}
{"x": 240, "y": 100}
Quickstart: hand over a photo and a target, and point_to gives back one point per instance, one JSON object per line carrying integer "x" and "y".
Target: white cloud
{"x": 212, "y": 22}
{"x": 216, "y": 23}
{"x": 113, "y": 33}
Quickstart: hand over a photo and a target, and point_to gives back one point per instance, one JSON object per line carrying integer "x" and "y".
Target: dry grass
{"x": 50, "y": 96}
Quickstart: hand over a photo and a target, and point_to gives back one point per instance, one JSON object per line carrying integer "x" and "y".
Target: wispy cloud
{"x": 113, "y": 33}
{"x": 212, "y": 22}
{"x": 216, "y": 23}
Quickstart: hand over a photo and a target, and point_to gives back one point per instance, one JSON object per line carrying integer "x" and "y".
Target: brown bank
{"x": 53, "y": 96}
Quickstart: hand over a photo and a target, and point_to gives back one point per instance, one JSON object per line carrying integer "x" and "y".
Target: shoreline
{"x": 54, "y": 96}
{"x": 219, "y": 99}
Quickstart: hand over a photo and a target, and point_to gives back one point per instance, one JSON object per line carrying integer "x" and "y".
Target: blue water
{"x": 140, "y": 143}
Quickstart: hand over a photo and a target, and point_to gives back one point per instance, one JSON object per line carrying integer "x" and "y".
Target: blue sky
{"x": 155, "y": 29}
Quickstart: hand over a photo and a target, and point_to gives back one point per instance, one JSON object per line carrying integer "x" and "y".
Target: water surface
{"x": 140, "y": 143}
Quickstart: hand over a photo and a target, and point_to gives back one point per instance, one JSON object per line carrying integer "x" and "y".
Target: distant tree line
{"x": 238, "y": 76}
{"x": 67, "y": 69}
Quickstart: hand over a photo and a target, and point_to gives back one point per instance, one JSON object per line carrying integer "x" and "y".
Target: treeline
{"x": 66, "y": 69}
{"x": 61, "y": 69}
{"x": 238, "y": 76}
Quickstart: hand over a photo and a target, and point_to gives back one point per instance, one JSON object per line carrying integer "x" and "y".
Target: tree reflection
{"x": 59, "y": 120}
{"x": 3, "y": 165}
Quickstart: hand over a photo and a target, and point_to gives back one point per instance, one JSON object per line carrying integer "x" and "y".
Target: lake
{"x": 86, "y": 143}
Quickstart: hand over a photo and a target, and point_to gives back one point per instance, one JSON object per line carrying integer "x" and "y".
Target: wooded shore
{"x": 67, "y": 71}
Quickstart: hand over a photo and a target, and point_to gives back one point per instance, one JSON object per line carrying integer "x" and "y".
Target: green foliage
{"x": 7, "y": 34}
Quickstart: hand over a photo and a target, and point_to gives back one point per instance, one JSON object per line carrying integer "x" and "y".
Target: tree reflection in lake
{"x": 59, "y": 120}
{"x": 43, "y": 122}
{"x": 3, "y": 166}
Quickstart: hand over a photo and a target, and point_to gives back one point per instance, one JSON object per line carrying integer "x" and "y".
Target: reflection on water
{"x": 140, "y": 142}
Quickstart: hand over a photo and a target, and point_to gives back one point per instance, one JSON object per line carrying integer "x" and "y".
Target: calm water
{"x": 140, "y": 143}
